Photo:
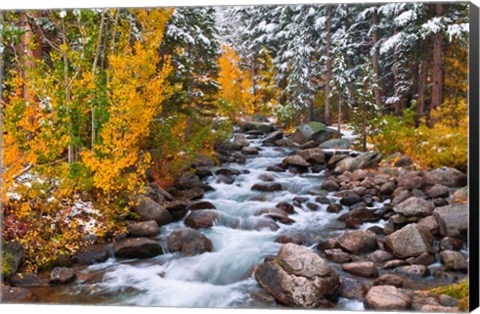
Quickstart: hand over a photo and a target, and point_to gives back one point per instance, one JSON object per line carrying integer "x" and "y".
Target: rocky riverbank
{"x": 337, "y": 224}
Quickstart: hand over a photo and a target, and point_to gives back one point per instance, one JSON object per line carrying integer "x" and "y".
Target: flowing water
{"x": 223, "y": 277}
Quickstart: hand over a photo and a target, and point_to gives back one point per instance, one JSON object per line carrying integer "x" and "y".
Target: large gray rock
{"x": 147, "y": 209}
{"x": 357, "y": 241}
{"x": 352, "y": 288}
{"x": 267, "y": 187}
{"x": 92, "y": 254}
{"x": 363, "y": 161}
{"x": 299, "y": 277}
{"x": 15, "y": 295}
{"x": 27, "y": 280}
{"x": 414, "y": 207}
{"x": 188, "y": 242}
{"x": 340, "y": 143}
{"x": 437, "y": 190}
{"x": 452, "y": 220}
{"x": 450, "y": 177}
{"x": 386, "y": 298}
{"x": 410, "y": 241}
{"x": 241, "y": 140}
{"x": 143, "y": 229}
{"x": 204, "y": 218}
{"x": 138, "y": 248}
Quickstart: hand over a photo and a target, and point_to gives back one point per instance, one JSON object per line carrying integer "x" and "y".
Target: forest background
{"x": 96, "y": 100}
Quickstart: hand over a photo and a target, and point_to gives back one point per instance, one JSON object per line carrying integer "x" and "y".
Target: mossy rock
{"x": 458, "y": 291}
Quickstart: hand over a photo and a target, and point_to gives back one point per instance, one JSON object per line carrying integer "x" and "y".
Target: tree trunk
{"x": 328, "y": 73}
{"x": 340, "y": 102}
{"x": 375, "y": 60}
{"x": 437, "y": 74}
{"x": 253, "y": 73}
{"x": 400, "y": 102}
{"x": 422, "y": 80}
{"x": 30, "y": 50}
{"x": 94, "y": 70}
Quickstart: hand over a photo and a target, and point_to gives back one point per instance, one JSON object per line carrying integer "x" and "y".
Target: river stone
{"x": 200, "y": 205}
{"x": 387, "y": 188}
{"x": 203, "y": 172}
{"x": 193, "y": 194}
{"x": 250, "y": 150}
{"x": 439, "y": 309}
{"x": 439, "y": 202}
{"x": 430, "y": 223}
{"x": 178, "y": 209}
{"x": 389, "y": 280}
{"x": 15, "y": 295}
{"x": 447, "y": 176}
{"x": 413, "y": 270}
{"x": 352, "y": 288}
{"x": 330, "y": 185}
{"x": 337, "y": 256}
{"x": 187, "y": 181}
{"x": 296, "y": 160}
{"x": 386, "y": 298}
{"x": 449, "y": 243}
{"x": 286, "y": 207}
{"x": 147, "y": 209}
{"x": 298, "y": 138}
{"x": 357, "y": 241}
{"x": 62, "y": 276}
{"x": 267, "y": 187}
{"x": 361, "y": 269}
{"x": 401, "y": 197}
{"x": 447, "y": 300}
{"x": 188, "y": 242}
{"x": 143, "y": 229}
{"x": 270, "y": 139}
{"x": 414, "y": 207}
{"x": 313, "y": 155}
{"x": 423, "y": 259}
{"x": 460, "y": 196}
{"x": 363, "y": 161}
{"x": 379, "y": 256}
{"x": 260, "y": 128}
{"x": 324, "y": 135}
{"x": 452, "y": 220}
{"x": 437, "y": 190}
{"x": 359, "y": 216}
{"x": 227, "y": 172}
{"x": 411, "y": 240}
{"x": 26, "y": 281}
{"x": 454, "y": 260}
{"x": 12, "y": 257}
{"x": 138, "y": 248}
{"x": 204, "y": 218}
{"x": 241, "y": 140}
{"x": 92, "y": 254}
{"x": 394, "y": 263}
{"x": 294, "y": 238}
{"x": 350, "y": 199}
{"x": 298, "y": 277}
{"x": 340, "y": 143}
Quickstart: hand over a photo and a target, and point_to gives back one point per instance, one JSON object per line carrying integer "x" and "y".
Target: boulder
{"x": 260, "y": 128}
{"x": 335, "y": 159}
{"x": 334, "y": 208}
{"x": 62, "y": 276}
{"x": 188, "y": 242}
{"x": 387, "y": 188}
{"x": 26, "y": 281}
{"x": 361, "y": 269}
{"x": 452, "y": 220}
{"x": 401, "y": 197}
{"x": 324, "y": 135}
{"x": 411, "y": 180}
{"x": 430, "y": 223}
{"x": 224, "y": 179}
{"x": 147, "y": 209}
{"x": 250, "y": 150}
{"x": 454, "y": 260}
{"x": 413, "y": 270}
{"x": 351, "y": 198}
{"x": 192, "y": 194}
{"x": 177, "y": 209}
{"x": 414, "y": 207}
{"x": 295, "y": 160}
{"x": 363, "y": 161}
{"x": 330, "y": 185}
{"x": 352, "y": 288}
{"x": 437, "y": 190}
{"x": 204, "y": 218}
{"x": 12, "y": 256}
{"x": 137, "y": 248}
{"x": 423, "y": 259}
{"x": 313, "y": 155}
{"x": 15, "y": 295}
{"x": 359, "y": 216}
{"x": 357, "y": 241}
{"x": 403, "y": 162}
{"x": 298, "y": 277}
{"x": 267, "y": 187}
{"x": 449, "y": 243}
{"x": 298, "y": 138}
{"x": 379, "y": 256}
{"x": 447, "y": 176}
{"x": 386, "y": 298}
{"x": 270, "y": 139}
{"x": 286, "y": 207}
{"x": 240, "y": 140}
{"x": 228, "y": 172}
{"x": 143, "y": 229}
{"x": 389, "y": 280}
{"x": 92, "y": 254}
{"x": 460, "y": 196}
{"x": 337, "y": 256}
{"x": 203, "y": 172}
{"x": 411, "y": 240}
{"x": 187, "y": 181}
{"x": 200, "y": 205}
{"x": 340, "y": 143}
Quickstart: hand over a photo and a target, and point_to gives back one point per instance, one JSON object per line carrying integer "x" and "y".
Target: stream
{"x": 224, "y": 277}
